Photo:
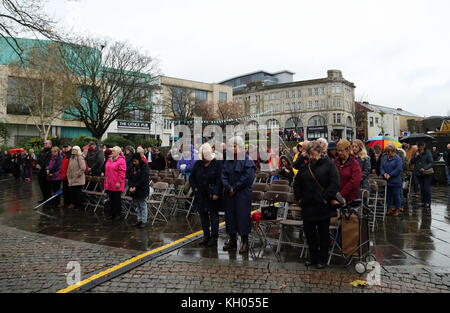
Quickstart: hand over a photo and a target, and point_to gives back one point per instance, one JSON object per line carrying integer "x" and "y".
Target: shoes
{"x": 244, "y": 247}
{"x": 309, "y": 263}
{"x": 142, "y": 225}
{"x": 321, "y": 266}
{"x": 212, "y": 242}
{"x": 137, "y": 224}
{"x": 71, "y": 206}
{"x": 397, "y": 213}
{"x": 205, "y": 240}
{"x": 231, "y": 244}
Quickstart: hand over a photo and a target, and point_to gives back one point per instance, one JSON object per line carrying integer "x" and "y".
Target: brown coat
{"x": 75, "y": 171}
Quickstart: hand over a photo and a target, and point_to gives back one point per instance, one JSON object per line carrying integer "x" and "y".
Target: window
{"x": 334, "y": 118}
{"x": 223, "y": 97}
{"x": 310, "y": 92}
{"x": 316, "y": 103}
{"x": 371, "y": 121}
{"x": 300, "y": 93}
{"x": 253, "y": 109}
{"x": 277, "y": 107}
{"x": 338, "y": 119}
{"x": 287, "y": 107}
{"x": 316, "y": 91}
{"x": 322, "y": 90}
{"x": 299, "y": 105}
{"x": 336, "y": 102}
{"x": 287, "y": 94}
{"x": 201, "y": 96}
{"x": 322, "y": 103}
{"x": 266, "y": 107}
{"x": 293, "y": 94}
{"x": 266, "y": 97}
{"x": 309, "y": 104}
{"x": 336, "y": 89}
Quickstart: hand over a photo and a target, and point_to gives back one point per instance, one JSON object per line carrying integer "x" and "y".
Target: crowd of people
{"x": 317, "y": 170}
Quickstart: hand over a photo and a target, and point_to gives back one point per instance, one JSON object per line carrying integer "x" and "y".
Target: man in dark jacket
{"x": 423, "y": 161}
{"x": 238, "y": 174}
{"x": 42, "y": 163}
{"x": 435, "y": 153}
{"x": 95, "y": 159}
{"x": 158, "y": 161}
{"x": 129, "y": 151}
{"x": 140, "y": 188}
{"x": 315, "y": 187}
{"x": 447, "y": 163}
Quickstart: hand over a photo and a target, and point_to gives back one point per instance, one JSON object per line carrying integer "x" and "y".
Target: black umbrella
{"x": 415, "y": 138}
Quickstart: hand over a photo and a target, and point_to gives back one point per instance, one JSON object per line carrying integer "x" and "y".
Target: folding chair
{"x": 156, "y": 200}
{"x": 279, "y": 188}
{"x": 262, "y": 177}
{"x": 94, "y": 197}
{"x": 280, "y": 182}
{"x": 381, "y": 207}
{"x": 370, "y": 198}
{"x": 260, "y": 187}
{"x": 179, "y": 184}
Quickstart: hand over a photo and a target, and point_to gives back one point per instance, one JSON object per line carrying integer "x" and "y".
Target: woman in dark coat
{"x": 376, "y": 155}
{"x": 238, "y": 174}
{"x": 315, "y": 187}
{"x": 349, "y": 171}
{"x": 205, "y": 180}
{"x": 423, "y": 160}
{"x": 286, "y": 171}
{"x": 158, "y": 161}
{"x": 139, "y": 183}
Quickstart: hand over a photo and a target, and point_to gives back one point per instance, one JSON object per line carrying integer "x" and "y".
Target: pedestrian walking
{"x": 391, "y": 170}
{"x": 423, "y": 169}
{"x": 76, "y": 178}
{"x": 359, "y": 151}
{"x": 115, "y": 172}
{"x": 54, "y": 174}
{"x": 238, "y": 175}
{"x": 349, "y": 171}
{"x": 315, "y": 187}
{"x": 205, "y": 180}
{"x": 139, "y": 183}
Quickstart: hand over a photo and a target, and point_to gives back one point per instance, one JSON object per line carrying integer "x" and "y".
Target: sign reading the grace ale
{"x": 126, "y": 124}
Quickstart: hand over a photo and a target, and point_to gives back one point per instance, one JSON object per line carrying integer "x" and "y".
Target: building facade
{"x": 321, "y": 107}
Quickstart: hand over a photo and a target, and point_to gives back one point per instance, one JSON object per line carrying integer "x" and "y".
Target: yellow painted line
{"x": 129, "y": 261}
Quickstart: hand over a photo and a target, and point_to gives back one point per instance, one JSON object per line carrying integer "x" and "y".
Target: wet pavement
{"x": 418, "y": 238}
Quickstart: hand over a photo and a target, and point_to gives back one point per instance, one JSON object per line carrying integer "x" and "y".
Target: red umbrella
{"x": 16, "y": 150}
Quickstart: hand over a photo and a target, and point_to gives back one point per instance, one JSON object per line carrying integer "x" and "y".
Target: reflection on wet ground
{"x": 416, "y": 238}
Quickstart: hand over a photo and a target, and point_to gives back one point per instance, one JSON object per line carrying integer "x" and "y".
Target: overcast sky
{"x": 396, "y": 52}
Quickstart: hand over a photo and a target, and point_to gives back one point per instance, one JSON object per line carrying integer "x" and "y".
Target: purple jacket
{"x": 55, "y": 168}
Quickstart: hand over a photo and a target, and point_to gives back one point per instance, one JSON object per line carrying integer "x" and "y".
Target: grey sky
{"x": 396, "y": 52}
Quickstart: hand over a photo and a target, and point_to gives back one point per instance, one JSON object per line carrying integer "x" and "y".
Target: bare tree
{"x": 24, "y": 16}
{"x": 112, "y": 79}
{"x": 296, "y": 115}
{"x": 179, "y": 102}
{"x": 37, "y": 87}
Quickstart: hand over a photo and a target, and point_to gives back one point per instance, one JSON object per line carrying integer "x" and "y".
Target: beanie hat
{"x": 332, "y": 145}
{"x": 136, "y": 156}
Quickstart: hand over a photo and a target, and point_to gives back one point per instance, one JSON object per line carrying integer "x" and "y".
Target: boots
{"x": 244, "y": 248}
{"x": 231, "y": 244}
{"x": 205, "y": 240}
{"x": 213, "y": 241}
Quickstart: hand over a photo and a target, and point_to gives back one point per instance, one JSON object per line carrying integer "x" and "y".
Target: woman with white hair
{"x": 115, "y": 172}
{"x": 238, "y": 174}
{"x": 205, "y": 180}
{"x": 76, "y": 177}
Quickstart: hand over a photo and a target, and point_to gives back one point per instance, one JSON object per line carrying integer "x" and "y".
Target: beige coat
{"x": 75, "y": 171}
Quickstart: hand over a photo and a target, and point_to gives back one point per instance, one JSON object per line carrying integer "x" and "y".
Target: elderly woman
{"x": 238, "y": 174}
{"x": 115, "y": 172}
{"x": 391, "y": 170}
{"x": 54, "y": 174}
{"x": 359, "y": 151}
{"x": 349, "y": 171}
{"x": 205, "y": 180}
{"x": 76, "y": 177}
{"x": 423, "y": 162}
{"x": 315, "y": 187}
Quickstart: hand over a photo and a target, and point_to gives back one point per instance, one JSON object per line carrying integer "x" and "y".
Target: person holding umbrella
{"x": 423, "y": 168}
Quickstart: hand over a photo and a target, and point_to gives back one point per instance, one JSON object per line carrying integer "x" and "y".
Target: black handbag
{"x": 269, "y": 212}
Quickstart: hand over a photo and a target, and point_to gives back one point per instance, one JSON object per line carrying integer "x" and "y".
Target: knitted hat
{"x": 332, "y": 145}
{"x": 136, "y": 156}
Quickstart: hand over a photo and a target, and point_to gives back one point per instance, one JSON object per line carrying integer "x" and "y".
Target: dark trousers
{"x": 318, "y": 237}
{"x": 55, "y": 185}
{"x": 237, "y": 218}
{"x": 210, "y": 218}
{"x": 44, "y": 185}
{"x": 76, "y": 196}
{"x": 425, "y": 188}
{"x": 66, "y": 193}
{"x": 115, "y": 202}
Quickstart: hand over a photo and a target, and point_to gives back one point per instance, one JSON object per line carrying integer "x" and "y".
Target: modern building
{"x": 374, "y": 120}
{"x": 322, "y": 107}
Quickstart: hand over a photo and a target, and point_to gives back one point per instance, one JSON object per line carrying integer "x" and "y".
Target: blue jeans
{"x": 394, "y": 197}
{"x": 141, "y": 206}
{"x": 425, "y": 188}
{"x": 447, "y": 172}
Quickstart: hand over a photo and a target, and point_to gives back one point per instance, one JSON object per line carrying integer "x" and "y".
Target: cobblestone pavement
{"x": 31, "y": 262}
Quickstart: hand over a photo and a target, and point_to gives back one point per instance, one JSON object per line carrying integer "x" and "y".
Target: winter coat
{"x": 75, "y": 171}
{"x": 129, "y": 164}
{"x": 447, "y": 157}
{"x": 65, "y": 164}
{"x": 239, "y": 176}
{"x": 424, "y": 160}
{"x": 350, "y": 178}
{"x": 95, "y": 159}
{"x": 139, "y": 178}
{"x": 393, "y": 167}
{"x": 313, "y": 200}
{"x": 365, "y": 172}
{"x": 208, "y": 180}
{"x": 115, "y": 172}
{"x": 189, "y": 162}
{"x": 374, "y": 162}
{"x": 158, "y": 162}
{"x": 44, "y": 158}
{"x": 170, "y": 161}
{"x": 54, "y": 168}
